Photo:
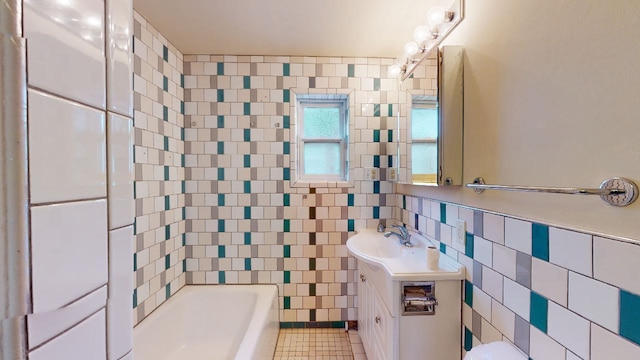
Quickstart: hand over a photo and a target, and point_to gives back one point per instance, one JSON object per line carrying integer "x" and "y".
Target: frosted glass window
{"x": 424, "y": 158}
{"x": 424, "y": 123}
{"x": 322, "y": 123}
{"x": 424, "y": 138}
{"x": 322, "y": 158}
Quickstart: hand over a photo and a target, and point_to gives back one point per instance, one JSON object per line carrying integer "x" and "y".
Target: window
{"x": 424, "y": 141}
{"x": 322, "y": 139}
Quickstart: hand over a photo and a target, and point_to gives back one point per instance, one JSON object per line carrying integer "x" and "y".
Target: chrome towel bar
{"x": 615, "y": 191}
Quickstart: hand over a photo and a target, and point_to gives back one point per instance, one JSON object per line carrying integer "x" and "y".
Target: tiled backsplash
{"x": 555, "y": 293}
{"x": 159, "y": 259}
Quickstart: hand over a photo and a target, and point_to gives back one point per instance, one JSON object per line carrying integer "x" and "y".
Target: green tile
{"x": 220, "y": 95}
{"x": 247, "y": 212}
{"x": 184, "y": 213}
{"x": 167, "y": 262}
{"x": 184, "y": 186}
{"x": 182, "y": 81}
{"x": 247, "y": 187}
{"x": 247, "y": 134}
{"x": 376, "y": 161}
{"x": 630, "y": 316}
{"x": 181, "y": 135}
{"x": 167, "y": 203}
{"x": 221, "y": 251}
{"x": 167, "y": 232}
{"x": 376, "y": 212}
{"x": 468, "y": 293}
{"x": 221, "y": 277}
{"x": 443, "y": 248}
{"x": 376, "y": 135}
{"x": 286, "y": 148}
{"x": 247, "y": 108}
{"x": 220, "y": 121}
{"x": 165, "y": 53}
{"x": 286, "y": 251}
{"x": 540, "y": 241}
{"x": 167, "y": 291}
{"x": 538, "y": 311}
{"x": 350, "y": 199}
{"x": 220, "y": 68}
{"x": 181, "y": 107}
{"x": 312, "y": 263}
{"x": 184, "y": 265}
{"x": 286, "y": 69}
{"x": 220, "y": 173}
{"x": 247, "y": 238}
{"x": 286, "y": 94}
{"x": 286, "y": 122}
{"x": 389, "y": 135}
{"x": 166, "y": 143}
{"x": 135, "y": 298}
{"x": 468, "y": 245}
{"x": 390, "y": 110}
{"x": 246, "y": 82}
{"x": 286, "y": 173}
{"x": 404, "y": 202}
{"x": 221, "y": 225}
{"x": 220, "y": 147}
{"x": 287, "y": 277}
{"x": 165, "y": 113}
{"x": 443, "y": 213}
{"x": 351, "y": 225}
{"x": 165, "y": 83}
{"x": 182, "y": 159}
{"x": 184, "y": 239}
{"x": 312, "y": 289}
{"x": 221, "y": 199}
{"x": 247, "y": 264}
{"x": 286, "y": 224}
{"x": 376, "y": 187}
{"x": 351, "y": 70}
{"x": 286, "y": 199}
{"x": 247, "y": 161}
{"x": 287, "y": 302}
{"x": 468, "y": 339}
{"x": 135, "y": 262}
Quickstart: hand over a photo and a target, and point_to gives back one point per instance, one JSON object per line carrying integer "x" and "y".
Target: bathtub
{"x": 211, "y": 322}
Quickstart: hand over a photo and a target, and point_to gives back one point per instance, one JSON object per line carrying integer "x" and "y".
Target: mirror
{"x": 430, "y": 121}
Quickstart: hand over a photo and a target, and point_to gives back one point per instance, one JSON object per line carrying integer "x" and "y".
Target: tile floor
{"x": 319, "y": 344}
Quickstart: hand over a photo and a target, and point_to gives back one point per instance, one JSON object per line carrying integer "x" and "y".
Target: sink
{"x": 401, "y": 262}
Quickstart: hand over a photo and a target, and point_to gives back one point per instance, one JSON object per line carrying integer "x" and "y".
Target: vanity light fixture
{"x": 427, "y": 37}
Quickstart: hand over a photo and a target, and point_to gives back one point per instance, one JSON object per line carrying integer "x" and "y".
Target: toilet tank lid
{"x": 498, "y": 350}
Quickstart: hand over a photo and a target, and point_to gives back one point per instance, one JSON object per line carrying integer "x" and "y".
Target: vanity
{"x": 406, "y": 310}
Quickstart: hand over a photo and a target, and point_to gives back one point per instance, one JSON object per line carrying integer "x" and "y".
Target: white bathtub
{"x": 211, "y": 322}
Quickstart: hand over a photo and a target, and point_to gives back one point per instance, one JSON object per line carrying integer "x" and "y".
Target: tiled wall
{"x": 556, "y": 293}
{"x": 159, "y": 258}
{"x": 80, "y": 179}
{"x": 245, "y": 223}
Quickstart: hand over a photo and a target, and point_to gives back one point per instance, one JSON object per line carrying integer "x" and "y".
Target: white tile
{"x": 571, "y": 250}
{"x": 549, "y": 280}
{"x": 493, "y": 228}
{"x": 517, "y": 298}
{"x": 504, "y": 261}
{"x": 468, "y": 265}
{"x": 483, "y": 251}
{"x": 518, "y": 235}
{"x": 615, "y": 262}
{"x": 85, "y": 341}
{"x": 46, "y": 325}
{"x": 119, "y": 314}
{"x": 67, "y": 150}
{"x": 120, "y": 175}
{"x": 572, "y": 356}
{"x": 119, "y": 56}
{"x": 569, "y": 329}
{"x": 452, "y": 214}
{"x": 606, "y": 345}
{"x": 482, "y": 303}
{"x": 65, "y": 46}
{"x": 543, "y": 347}
{"x": 503, "y": 319}
{"x": 595, "y": 300}
{"x": 492, "y": 283}
{"x": 68, "y": 251}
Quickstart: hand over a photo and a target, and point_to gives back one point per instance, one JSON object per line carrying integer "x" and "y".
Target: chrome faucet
{"x": 404, "y": 237}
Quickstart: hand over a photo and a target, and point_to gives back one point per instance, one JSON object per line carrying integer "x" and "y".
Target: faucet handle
{"x": 403, "y": 230}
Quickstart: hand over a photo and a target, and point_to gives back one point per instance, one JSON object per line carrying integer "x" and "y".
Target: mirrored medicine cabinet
{"x": 430, "y": 121}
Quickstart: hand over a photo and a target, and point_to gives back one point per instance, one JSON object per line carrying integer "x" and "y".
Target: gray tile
{"x": 523, "y": 269}
{"x": 476, "y": 324}
{"x": 522, "y": 329}
{"x": 478, "y": 217}
{"x": 140, "y": 310}
{"x": 477, "y": 274}
{"x": 438, "y": 230}
{"x": 254, "y": 277}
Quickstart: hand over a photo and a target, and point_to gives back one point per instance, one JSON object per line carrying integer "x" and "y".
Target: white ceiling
{"x": 362, "y": 28}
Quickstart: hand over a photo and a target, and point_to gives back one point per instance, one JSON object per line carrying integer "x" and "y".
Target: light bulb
{"x": 394, "y": 70}
{"x": 421, "y": 33}
{"x": 411, "y": 48}
{"x": 435, "y": 16}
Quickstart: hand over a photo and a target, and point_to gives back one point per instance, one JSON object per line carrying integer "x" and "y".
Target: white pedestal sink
{"x": 388, "y": 327}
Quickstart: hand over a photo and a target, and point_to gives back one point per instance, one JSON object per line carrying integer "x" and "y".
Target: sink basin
{"x": 401, "y": 262}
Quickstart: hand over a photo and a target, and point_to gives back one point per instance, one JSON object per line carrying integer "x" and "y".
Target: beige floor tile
{"x": 318, "y": 344}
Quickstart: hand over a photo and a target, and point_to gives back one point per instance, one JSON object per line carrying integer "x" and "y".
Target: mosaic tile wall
{"x": 556, "y": 293}
{"x": 245, "y": 223}
{"x": 159, "y": 259}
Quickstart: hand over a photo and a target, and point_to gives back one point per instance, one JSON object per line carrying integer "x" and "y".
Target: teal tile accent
{"x": 443, "y": 248}
{"x": 181, "y": 107}
{"x": 221, "y": 199}
{"x": 389, "y": 135}
{"x": 135, "y": 298}
{"x": 468, "y": 339}
{"x": 468, "y": 293}
{"x": 135, "y": 262}
{"x": 350, "y": 199}
{"x": 134, "y": 227}
{"x": 181, "y": 136}
{"x": 286, "y": 224}
{"x": 312, "y": 263}
{"x": 247, "y": 108}
{"x": 351, "y": 70}
{"x": 286, "y": 251}
{"x": 443, "y": 213}
{"x": 165, "y": 83}
{"x": 221, "y": 225}
{"x": 286, "y": 200}
{"x": 247, "y": 212}
{"x": 630, "y": 316}
{"x": 247, "y": 263}
{"x": 182, "y": 81}
{"x": 538, "y": 311}
{"x": 220, "y": 95}
{"x": 390, "y": 161}
{"x": 376, "y": 110}
{"x": 220, "y": 147}
{"x": 351, "y": 225}
{"x": 184, "y": 213}
{"x": 312, "y": 288}
{"x": 247, "y": 135}
{"x": 376, "y": 161}
{"x": 165, "y": 113}
{"x": 184, "y": 186}
{"x": 286, "y": 95}
{"x": 221, "y": 278}
{"x": 286, "y": 122}
{"x": 287, "y": 302}
{"x": 540, "y": 241}
{"x": 167, "y": 232}
{"x": 246, "y": 82}
{"x": 468, "y": 245}
{"x": 183, "y": 158}
{"x": 220, "y": 173}
{"x": 220, "y": 121}
{"x": 184, "y": 265}
{"x": 286, "y": 147}
{"x": 376, "y": 135}
{"x": 165, "y": 53}
{"x": 390, "y": 110}
{"x": 247, "y": 187}
{"x": 286, "y": 173}
{"x": 167, "y": 205}
{"x": 221, "y": 251}
{"x": 166, "y": 143}
{"x": 167, "y": 262}
{"x": 220, "y": 68}
{"x": 376, "y": 212}
{"x": 135, "y": 195}
{"x": 376, "y": 84}
{"x": 247, "y": 161}
{"x": 247, "y": 238}
{"x": 404, "y": 202}
{"x": 286, "y": 69}
{"x": 184, "y": 239}
{"x": 376, "y": 187}
{"x": 287, "y": 277}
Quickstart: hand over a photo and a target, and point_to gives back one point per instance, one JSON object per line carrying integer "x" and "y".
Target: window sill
{"x": 321, "y": 184}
